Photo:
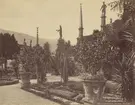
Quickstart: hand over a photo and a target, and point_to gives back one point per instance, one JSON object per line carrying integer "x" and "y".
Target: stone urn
{"x": 24, "y": 76}
{"x": 93, "y": 87}
{"x": 93, "y": 90}
{"x": 25, "y": 79}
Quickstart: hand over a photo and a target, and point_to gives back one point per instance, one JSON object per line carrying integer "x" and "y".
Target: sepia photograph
{"x": 67, "y": 52}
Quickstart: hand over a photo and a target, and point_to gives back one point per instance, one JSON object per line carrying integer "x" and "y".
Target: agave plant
{"x": 125, "y": 67}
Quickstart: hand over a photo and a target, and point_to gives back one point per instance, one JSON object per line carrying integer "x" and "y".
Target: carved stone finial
{"x": 81, "y": 23}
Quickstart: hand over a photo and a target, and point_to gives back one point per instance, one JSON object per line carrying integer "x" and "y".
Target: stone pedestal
{"x": 25, "y": 79}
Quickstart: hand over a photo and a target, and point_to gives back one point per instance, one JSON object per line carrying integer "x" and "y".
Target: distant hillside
{"x": 20, "y": 38}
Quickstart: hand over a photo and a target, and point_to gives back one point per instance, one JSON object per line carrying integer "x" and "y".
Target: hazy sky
{"x": 25, "y": 15}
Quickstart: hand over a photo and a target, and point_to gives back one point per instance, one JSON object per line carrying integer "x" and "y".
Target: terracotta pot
{"x": 25, "y": 79}
{"x": 89, "y": 87}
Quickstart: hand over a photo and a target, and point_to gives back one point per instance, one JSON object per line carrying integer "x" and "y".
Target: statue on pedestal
{"x": 103, "y": 16}
{"x": 103, "y": 9}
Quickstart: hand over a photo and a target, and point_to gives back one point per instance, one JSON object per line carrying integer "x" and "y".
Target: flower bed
{"x": 71, "y": 86}
{"x": 60, "y": 90}
{"x": 70, "y": 92}
{"x": 51, "y": 97}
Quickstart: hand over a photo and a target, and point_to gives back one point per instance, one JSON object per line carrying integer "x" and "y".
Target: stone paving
{"x": 13, "y": 95}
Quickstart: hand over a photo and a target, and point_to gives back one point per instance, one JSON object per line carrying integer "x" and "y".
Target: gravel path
{"x": 13, "y": 95}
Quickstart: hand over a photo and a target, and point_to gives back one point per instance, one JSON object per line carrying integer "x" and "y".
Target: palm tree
{"x": 126, "y": 7}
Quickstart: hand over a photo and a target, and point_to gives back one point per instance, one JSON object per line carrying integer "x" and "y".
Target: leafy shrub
{"x": 94, "y": 53}
{"x": 26, "y": 58}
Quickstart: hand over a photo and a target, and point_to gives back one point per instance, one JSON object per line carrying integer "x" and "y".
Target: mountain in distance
{"x": 21, "y": 36}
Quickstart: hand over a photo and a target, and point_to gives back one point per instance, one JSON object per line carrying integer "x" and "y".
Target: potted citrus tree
{"x": 91, "y": 54}
{"x": 25, "y": 65}
{"x": 93, "y": 84}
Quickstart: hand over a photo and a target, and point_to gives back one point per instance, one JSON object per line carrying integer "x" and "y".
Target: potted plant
{"x": 25, "y": 65}
{"x": 92, "y": 83}
{"x": 91, "y": 55}
{"x": 24, "y": 76}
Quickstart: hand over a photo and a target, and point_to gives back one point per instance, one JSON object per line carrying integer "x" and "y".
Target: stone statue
{"x": 110, "y": 20}
{"x": 60, "y": 32}
{"x": 24, "y": 41}
{"x": 103, "y": 8}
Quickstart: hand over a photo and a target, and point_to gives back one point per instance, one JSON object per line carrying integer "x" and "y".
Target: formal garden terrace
{"x": 98, "y": 70}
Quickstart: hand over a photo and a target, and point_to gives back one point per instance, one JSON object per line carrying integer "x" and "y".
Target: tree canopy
{"x": 8, "y": 45}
